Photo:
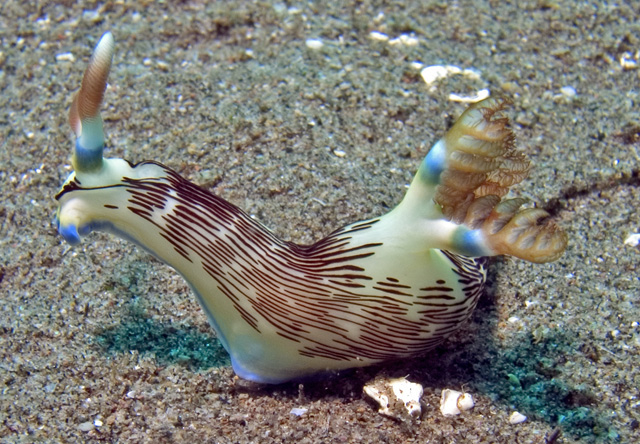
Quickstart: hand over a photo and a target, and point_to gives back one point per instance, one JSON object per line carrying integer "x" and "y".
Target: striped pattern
{"x": 320, "y": 298}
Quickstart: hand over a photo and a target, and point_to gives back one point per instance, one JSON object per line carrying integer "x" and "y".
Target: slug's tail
{"x": 472, "y": 168}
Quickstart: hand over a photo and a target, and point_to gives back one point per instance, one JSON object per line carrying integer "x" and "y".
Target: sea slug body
{"x": 386, "y": 288}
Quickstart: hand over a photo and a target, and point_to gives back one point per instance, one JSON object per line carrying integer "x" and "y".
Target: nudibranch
{"x": 386, "y": 288}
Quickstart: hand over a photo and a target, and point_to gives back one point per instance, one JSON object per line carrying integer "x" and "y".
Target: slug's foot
{"x": 481, "y": 165}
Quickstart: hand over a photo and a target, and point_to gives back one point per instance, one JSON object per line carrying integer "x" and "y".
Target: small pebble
{"x": 339, "y": 153}
{"x": 65, "y": 57}
{"x": 633, "y": 240}
{"x": 432, "y": 73}
{"x": 86, "y": 426}
{"x": 475, "y": 98}
{"x": 628, "y": 61}
{"x": 405, "y": 39}
{"x": 91, "y": 16}
{"x": 517, "y": 418}
{"x": 314, "y": 43}
{"x": 379, "y": 36}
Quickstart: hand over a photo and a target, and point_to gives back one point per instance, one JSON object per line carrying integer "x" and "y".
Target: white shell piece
{"x": 298, "y": 411}
{"x": 466, "y": 402}
{"x": 472, "y": 73}
{"x": 372, "y": 391}
{"x": 433, "y": 73}
{"x": 405, "y": 39}
{"x": 339, "y": 153}
{"x": 449, "y": 402}
{"x": 65, "y": 57}
{"x": 377, "y": 35}
{"x": 398, "y": 398}
{"x": 517, "y": 418}
{"x": 629, "y": 60}
{"x": 633, "y": 240}
{"x": 409, "y": 393}
{"x": 314, "y": 43}
{"x": 478, "y": 96}
{"x": 452, "y": 402}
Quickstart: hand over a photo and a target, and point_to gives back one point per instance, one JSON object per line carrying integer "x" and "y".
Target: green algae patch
{"x": 169, "y": 344}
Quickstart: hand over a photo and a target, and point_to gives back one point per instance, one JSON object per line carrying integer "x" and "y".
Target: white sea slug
{"x": 386, "y": 288}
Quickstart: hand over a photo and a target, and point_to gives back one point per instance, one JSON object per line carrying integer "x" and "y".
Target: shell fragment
{"x": 398, "y": 398}
{"x": 452, "y": 402}
{"x": 517, "y": 418}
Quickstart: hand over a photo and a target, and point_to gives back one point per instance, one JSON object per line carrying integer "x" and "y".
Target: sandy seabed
{"x": 102, "y": 343}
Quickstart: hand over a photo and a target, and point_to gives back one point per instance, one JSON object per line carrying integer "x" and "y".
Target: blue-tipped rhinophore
{"x": 84, "y": 116}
